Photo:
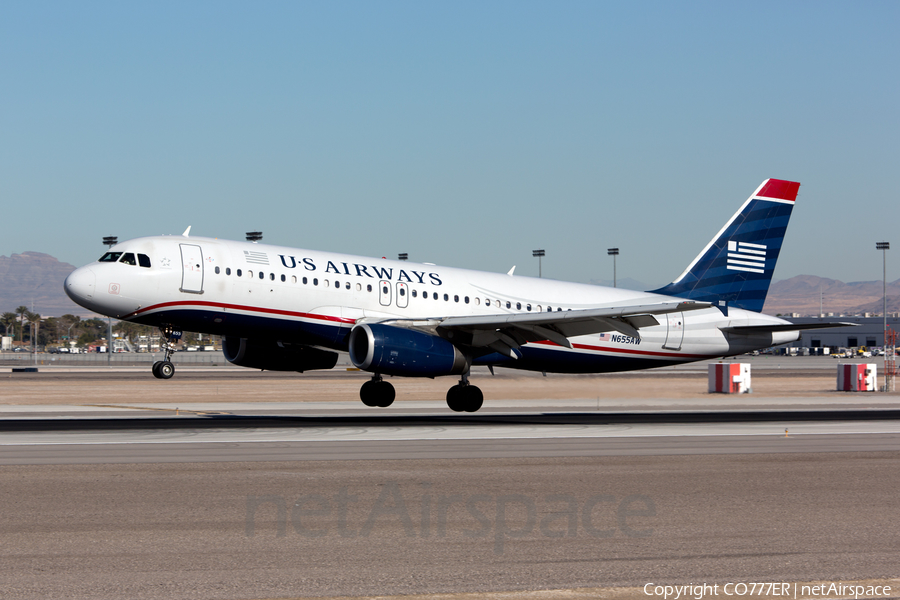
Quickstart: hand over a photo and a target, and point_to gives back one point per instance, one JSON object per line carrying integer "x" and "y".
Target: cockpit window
{"x": 128, "y": 259}
{"x": 110, "y": 257}
{"x": 144, "y": 260}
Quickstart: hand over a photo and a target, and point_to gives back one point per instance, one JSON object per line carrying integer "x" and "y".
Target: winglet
{"x": 187, "y": 232}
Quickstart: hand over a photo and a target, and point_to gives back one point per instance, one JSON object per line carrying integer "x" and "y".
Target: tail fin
{"x": 736, "y": 267}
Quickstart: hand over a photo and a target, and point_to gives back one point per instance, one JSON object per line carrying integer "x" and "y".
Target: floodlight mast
{"x": 539, "y": 254}
{"x": 884, "y": 247}
{"x": 614, "y": 252}
{"x": 110, "y": 241}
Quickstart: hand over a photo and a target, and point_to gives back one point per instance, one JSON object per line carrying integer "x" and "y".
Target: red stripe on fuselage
{"x": 627, "y": 350}
{"x": 269, "y": 311}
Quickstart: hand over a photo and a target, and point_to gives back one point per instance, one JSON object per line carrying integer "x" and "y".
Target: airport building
{"x": 869, "y": 332}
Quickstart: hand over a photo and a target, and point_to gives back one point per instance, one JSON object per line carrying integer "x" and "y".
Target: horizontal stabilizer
{"x": 755, "y": 329}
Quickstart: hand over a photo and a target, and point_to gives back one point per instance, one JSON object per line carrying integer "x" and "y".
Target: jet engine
{"x": 271, "y": 355}
{"x": 390, "y": 350}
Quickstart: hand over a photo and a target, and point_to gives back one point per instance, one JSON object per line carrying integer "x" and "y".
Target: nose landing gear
{"x": 164, "y": 369}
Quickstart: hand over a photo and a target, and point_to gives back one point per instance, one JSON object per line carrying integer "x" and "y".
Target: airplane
{"x": 287, "y": 309}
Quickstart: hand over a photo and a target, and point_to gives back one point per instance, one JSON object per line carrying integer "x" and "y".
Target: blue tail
{"x": 736, "y": 267}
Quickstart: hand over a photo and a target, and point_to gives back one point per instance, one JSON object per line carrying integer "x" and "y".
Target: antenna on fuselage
{"x": 254, "y": 236}
{"x": 187, "y": 232}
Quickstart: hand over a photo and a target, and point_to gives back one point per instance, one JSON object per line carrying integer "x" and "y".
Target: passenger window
{"x": 384, "y": 290}
{"x": 283, "y": 278}
{"x": 293, "y": 279}
{"x": 487, "y": 302}
{"x": 144, "y": 260}
{"x": 315, "y": 281}
{"x": 402, "y": 291}
{"x": 238, "y": 273}
{"x": 228, "y": 270}
{"x": 369, "y": 288}
{"x": 414, "y": 293}
{"x": 358, "y": 287}
{"x": 446, "y": 297}
{"x": 305, "y": 280}
{"x": 249, "y": 273}
{"x": 456, "y": 298}
{"x": 435, "y": 296}
{"x": 326, "y": 283}
{"x": 528, "y": 307}
{"x": 518, "y": 306}
{"x": 466, "y": 299}
{"x": 110, "y": 257}
{"x": 217, "y": 270}
{"x": 347, "y": 285}
{"x": 128, "y": 259}
{"x": 508, "y": 304}
{"x": 262, "y": 275}
{"x": 337, "y": 284}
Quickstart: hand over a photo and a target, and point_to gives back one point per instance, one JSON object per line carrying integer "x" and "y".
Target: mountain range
{"x": 36, "y": 279}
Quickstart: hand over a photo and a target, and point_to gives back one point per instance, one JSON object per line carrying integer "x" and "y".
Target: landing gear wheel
{"x": 474, "y": 398}
{"x": 377, "y": 392}
{"x": 155, "y": 369}
{"x": 386, "y": 394}
{"x": 368, "y": 393}
{"x": 165, "y": 370}
{"x": 456, "y": 399}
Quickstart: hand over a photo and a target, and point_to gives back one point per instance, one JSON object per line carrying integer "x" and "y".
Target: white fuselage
{"x": 245, "y": 289}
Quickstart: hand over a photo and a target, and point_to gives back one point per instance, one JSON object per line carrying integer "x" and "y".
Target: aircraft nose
{"x": 80, "y": 285}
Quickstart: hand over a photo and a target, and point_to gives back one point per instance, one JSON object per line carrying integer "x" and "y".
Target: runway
{"x": 113, "y": 496}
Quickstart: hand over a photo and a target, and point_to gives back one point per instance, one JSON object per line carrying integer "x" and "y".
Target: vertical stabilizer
{"x": 736, "y": 266}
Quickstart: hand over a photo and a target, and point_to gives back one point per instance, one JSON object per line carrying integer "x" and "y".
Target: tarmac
{"x": 224, "y": 483}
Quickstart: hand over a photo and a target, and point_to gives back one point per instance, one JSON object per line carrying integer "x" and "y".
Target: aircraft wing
{"x": 505, "y": 333}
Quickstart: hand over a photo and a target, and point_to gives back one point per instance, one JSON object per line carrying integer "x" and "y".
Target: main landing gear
{"x": 164, "y": 369}
{"x": 464, "y": 397}
{"x": 377, "y": 392}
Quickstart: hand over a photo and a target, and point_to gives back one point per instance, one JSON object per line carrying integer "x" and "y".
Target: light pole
{"x": 614, "y": 252}
{"x": 539, "y": 254}
{"x": 884, "y": 247}
{"x": 110, "y": 241}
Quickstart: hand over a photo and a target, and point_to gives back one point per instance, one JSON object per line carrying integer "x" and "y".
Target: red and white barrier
{"x": 729, "y": 378}
{"x": 856, "y": 378}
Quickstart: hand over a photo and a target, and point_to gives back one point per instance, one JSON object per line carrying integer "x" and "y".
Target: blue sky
{"x": 463, "y": 133}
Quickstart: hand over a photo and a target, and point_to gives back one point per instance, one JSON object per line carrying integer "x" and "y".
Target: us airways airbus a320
{"x": 287, "y": 309}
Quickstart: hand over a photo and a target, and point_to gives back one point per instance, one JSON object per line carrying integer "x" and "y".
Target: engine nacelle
{"x": 407, "y": 352}
{"x": 276, "y": 356}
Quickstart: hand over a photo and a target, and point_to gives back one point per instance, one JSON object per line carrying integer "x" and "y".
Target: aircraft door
{"x": 384, "y": 293}
{"x": 674, "y": 331}
{"x": 402, "y": 295}
{"x": 192, "y": 269}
